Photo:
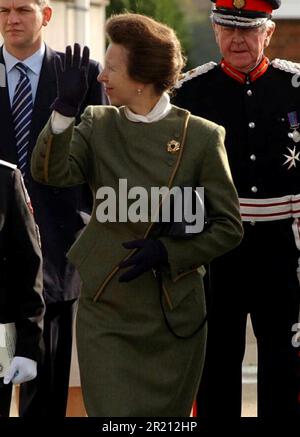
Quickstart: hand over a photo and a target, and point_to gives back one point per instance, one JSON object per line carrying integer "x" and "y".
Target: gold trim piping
{"x": 183, "y": 274}
{"x": 167, "y": 296}
{"x": 47, "y": 157}
{"x": 242, "y": 80}
{"x": 261, "y": 70}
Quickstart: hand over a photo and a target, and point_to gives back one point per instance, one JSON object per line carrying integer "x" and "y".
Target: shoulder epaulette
{"x": 288, "y": 66}
{"x": 198, "y": 71}
{"x": 8, "y": 164}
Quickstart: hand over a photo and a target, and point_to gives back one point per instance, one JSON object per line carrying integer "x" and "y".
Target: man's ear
{"x": 47, "y": 14}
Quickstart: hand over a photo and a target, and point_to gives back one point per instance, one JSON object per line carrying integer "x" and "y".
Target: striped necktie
{"x": 22, "y": 106}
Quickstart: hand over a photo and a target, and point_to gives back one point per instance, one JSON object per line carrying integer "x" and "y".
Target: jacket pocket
{"x": 176, "y": 292}
{"x": 184, "y": 302}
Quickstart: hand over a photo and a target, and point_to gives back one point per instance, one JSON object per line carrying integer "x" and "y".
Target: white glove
{"x": 21, "y": 370}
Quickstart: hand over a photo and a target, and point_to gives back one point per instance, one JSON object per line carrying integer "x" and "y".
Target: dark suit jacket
{"x": 21, "y": 278}
{"x": 56, "y": 210}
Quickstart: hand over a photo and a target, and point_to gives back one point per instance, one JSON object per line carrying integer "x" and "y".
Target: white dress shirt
{"x": 34, "y": 64}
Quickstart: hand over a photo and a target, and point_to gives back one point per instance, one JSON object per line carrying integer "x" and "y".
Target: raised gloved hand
{"x": 151, "y": 254}
{"x": 21, "y": 370}
{"x": 72, "y": 82}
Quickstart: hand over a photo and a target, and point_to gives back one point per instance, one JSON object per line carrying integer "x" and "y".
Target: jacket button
{"x": 252, "y": 125}
{"x": 254, "y": 189}
{"x": 249, "y": 93}
{"x": 253, "y": 157}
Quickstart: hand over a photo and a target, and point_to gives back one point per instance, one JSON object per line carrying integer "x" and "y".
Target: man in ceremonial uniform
{"x": 28, "y": 91}
{"x": 258, "y": 102}
{"x": 21, "y": 284}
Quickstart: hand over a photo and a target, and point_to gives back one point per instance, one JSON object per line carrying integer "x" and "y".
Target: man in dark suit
{"x": 59, "y": 213}
{"x": 21, "y": 285}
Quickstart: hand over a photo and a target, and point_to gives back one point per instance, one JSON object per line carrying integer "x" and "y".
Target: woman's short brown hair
{"x": 154, "y": 51}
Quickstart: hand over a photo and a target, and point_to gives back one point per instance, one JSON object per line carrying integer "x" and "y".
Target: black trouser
{"x": 47, "y": 395}
{"x": 258, "y": 278}
{"x": 5, "y": 398}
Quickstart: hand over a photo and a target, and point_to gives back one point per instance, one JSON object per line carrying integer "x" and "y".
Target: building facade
{"x": 285, "y": 43}
{"x": 79, "y": 21}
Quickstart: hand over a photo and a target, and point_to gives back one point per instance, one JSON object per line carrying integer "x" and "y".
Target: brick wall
{"x": 285, "y": 42}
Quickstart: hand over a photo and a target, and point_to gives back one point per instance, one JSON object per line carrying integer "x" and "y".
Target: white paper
{"x": 8, "y": 337}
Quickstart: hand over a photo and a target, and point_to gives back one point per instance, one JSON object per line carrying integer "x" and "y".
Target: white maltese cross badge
{"x": 292, "y": 158}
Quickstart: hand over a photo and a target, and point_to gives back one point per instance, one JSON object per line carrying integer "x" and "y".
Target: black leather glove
{"x": 72, "y": 82}
{"x": 151, "y": 254}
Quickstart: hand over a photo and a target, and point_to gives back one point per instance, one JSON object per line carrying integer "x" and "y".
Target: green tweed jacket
{"x": 107, "y": 147}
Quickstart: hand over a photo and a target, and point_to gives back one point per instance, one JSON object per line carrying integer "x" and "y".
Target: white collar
{"x": 160, "y": 111}
{"x": 34, "y": 62}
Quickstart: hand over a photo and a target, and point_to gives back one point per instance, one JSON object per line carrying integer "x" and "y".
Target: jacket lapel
{"x": 7, "y": 142}
{"x": 45, "y": 95}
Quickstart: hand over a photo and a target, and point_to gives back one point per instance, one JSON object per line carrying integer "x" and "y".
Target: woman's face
{"x": 119, "y": 87}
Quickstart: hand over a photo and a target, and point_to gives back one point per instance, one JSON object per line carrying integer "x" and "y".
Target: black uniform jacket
{"x": 260, "y": 112}
{"x": 21, "y": 279}
{"x": 58, "y": 211}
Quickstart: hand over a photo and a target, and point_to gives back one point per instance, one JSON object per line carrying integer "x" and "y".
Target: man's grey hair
{"x": 43, "y": 3}
{"x": 268, "y": 25}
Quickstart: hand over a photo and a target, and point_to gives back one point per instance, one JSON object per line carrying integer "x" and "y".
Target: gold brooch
{"x": 173, "y": 146}
{"x": 239, "y": 4}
